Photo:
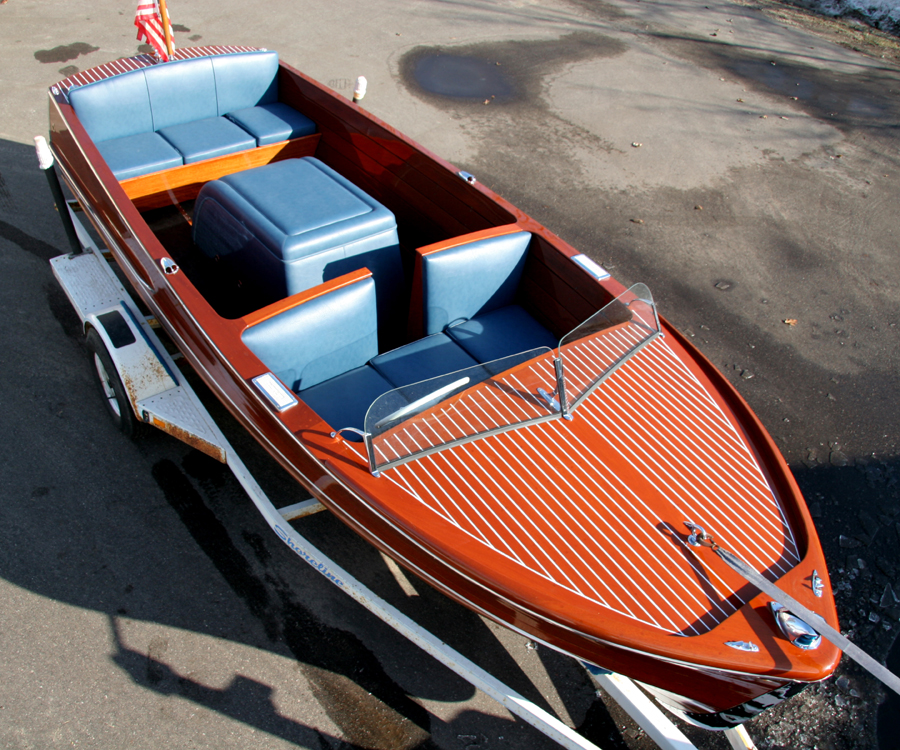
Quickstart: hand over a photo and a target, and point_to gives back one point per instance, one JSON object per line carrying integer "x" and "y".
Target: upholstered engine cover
{"x": 288, "y": 226}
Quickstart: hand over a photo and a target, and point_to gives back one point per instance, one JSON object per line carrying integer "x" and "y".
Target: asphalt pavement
{"x": 740, "y": 158}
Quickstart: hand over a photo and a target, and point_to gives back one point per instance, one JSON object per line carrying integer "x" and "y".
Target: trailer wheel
{"x": 111, "y": 388}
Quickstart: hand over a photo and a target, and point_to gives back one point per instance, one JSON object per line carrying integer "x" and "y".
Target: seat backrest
{"x": 247, "y": 79}
{"x": 181, "y": 91}
{"x": 476, "y": 277}
{"x": 320, "y": 338}
{"x": 115, "y": 107}
{"x": 173, "y": 93}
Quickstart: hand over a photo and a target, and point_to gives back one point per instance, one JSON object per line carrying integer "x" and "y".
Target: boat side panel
{"x": 558, "y": 292}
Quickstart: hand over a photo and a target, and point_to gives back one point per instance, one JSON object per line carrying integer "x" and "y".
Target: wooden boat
{"x": 469, "y": 393}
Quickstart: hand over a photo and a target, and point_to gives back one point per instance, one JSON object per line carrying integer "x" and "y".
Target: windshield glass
{"x": 433, "y": 414}
{"x": 593, "y": 351}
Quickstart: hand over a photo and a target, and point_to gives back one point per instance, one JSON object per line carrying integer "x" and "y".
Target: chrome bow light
{"x": 795, "y": 630}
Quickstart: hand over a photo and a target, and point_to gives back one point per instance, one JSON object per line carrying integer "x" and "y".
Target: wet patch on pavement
{"x": 64, "y": 52}
{"x": 498, "y": 73}
{"x": 868, "y": 99}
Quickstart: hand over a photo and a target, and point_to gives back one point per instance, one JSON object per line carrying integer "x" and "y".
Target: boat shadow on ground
{"x": 358, "y": 674}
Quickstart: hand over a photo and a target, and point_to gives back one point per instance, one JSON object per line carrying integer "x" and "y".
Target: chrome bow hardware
{"x": 795, "y": 630}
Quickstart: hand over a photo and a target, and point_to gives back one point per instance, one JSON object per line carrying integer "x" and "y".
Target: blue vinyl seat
{"x": 185, "y": 111}
{"x": 321, "y": 349}
{"x": 424, "y": 359}
{"x": 272, "y": 123}
{"x": 469, "y": 291}
{"x": 500, "y": 333}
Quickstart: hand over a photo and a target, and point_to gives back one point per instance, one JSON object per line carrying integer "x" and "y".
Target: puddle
{"x": 498, "y": 72}
{"x": 461, "y": 76}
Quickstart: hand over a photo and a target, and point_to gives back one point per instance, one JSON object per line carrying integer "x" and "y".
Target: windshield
{"x": 592, "y": 352}
{"x": 431, "y": 415}
{"x": 425, "y": 417}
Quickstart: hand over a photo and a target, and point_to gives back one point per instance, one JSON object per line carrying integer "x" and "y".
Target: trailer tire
{"x": 111, "y": 388}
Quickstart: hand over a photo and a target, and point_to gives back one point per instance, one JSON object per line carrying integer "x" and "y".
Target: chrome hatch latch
{"x": 818, "y": 585}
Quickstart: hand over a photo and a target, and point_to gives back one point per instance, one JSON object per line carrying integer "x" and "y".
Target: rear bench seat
{"x": 186, "y": 111}
{"x": 290, "y": 225}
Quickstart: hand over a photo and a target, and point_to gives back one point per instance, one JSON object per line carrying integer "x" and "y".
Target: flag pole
{"x": 164, "y": 14}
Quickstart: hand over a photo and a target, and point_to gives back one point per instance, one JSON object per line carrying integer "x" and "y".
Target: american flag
{"x": 150, "y": 27}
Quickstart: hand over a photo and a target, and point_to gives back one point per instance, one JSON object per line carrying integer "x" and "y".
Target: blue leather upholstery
{"x": 186, "y": 100}
{"x": 426, "y": 358}
{"x": 462, "y": 282}
{"x": 272, "y": 123}
{"x": 290, "y": 225}
{"x": 245, "y": 80}
{"x": 203, "y": 139}
{"x": 469, "y": 292}
{"x": 501, "y": 333}
{"x": 139, "y": 154}
{"x": 114, "y": 108}
{"x": 343, "y": 401}
{"x": 181, "y": 91}
{"x": 320, "y": 339}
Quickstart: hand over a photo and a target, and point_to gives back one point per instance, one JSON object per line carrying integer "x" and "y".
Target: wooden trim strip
{"x": 276, "y": 308}
{"x": 178, "y": 184}
{"x": 465, "y": 239}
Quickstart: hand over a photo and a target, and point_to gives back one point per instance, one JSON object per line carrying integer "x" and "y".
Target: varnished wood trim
{"x": 270, "y": 311}
{"x": 465, "y": 239}
{"x": 178, "y": 184}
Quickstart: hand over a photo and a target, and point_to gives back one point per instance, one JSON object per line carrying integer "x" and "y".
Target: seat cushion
{"x": 344, "y": 400}
{"x": 139, "y": 154}
{"x": 501, "y": 333}
{"x": 272, "y": 123}
{"x": 423, "y": 359}
{"x": 204, "y": 139}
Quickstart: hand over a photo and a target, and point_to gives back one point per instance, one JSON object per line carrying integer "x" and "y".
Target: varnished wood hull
{"x": 594, "y": 564}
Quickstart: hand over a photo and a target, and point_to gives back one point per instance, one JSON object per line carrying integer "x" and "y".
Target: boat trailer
{"x": 138, "y": 374}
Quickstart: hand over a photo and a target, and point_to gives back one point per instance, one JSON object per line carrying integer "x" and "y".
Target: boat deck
{"x": 645, "y": 452}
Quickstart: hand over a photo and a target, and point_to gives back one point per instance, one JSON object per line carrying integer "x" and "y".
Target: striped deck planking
{"x": 530, "y": 494}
